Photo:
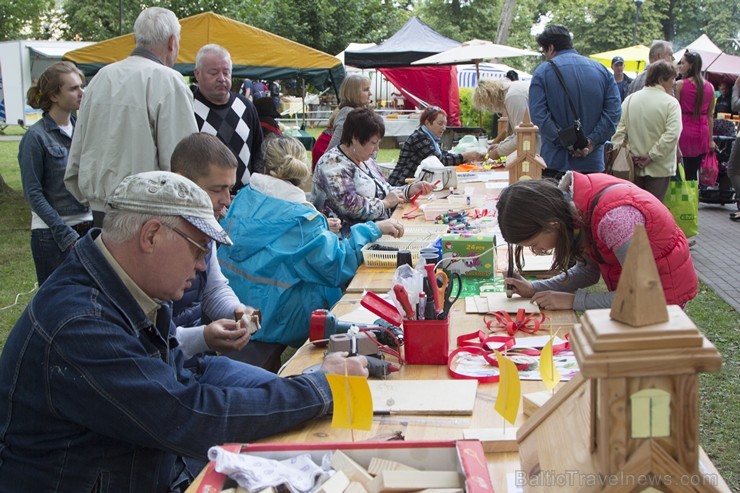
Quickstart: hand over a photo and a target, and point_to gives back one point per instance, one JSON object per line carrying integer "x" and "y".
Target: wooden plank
{"x": 494, "y": 439}
{"x": 355, "y": 472}
{"x": 423, "y": 396}
{"x": 532, "y": 401}
{"x": 499, "y": 302}
{"x": 377, "y": 280}
{"x": 606, "y": 334}
{"x": 401, "y": 481}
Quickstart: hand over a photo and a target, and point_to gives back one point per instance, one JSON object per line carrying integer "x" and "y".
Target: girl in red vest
{"x": 587, "y": 221}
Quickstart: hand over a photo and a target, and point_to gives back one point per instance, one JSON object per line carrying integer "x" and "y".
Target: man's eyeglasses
{"x": 202, "y": 250}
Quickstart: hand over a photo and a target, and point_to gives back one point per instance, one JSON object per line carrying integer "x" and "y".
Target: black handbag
{"x": 572, "y": 138}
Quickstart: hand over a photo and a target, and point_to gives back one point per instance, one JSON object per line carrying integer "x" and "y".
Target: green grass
{"x": 719, "y": 428}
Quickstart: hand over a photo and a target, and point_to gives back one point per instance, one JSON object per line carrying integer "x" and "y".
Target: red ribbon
{"x": 503, "y": 322}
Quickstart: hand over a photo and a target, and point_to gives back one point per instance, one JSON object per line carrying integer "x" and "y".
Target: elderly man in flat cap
{"x": 95, "y": 396}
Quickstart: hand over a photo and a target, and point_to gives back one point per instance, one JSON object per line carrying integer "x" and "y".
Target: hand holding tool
{"x": 510, "y": 272}
{"x": 324, "y": 324}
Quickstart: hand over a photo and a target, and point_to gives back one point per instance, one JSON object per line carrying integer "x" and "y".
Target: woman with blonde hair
{"x": 353, "y": 93}
{"x": 57, "y": 218}
{"x": 504, "y": 96}
{"x": 284, "y": 260}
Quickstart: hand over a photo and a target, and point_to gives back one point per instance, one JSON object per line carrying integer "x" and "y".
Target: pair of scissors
{"x": 451, "y": 284}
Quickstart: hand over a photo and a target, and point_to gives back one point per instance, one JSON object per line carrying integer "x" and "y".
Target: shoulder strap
{"x": 562, "y": 83}
{"x": 626, "y": 122}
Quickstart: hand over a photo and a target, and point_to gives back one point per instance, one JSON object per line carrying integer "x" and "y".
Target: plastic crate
{"x": 383, "y": 258}
{"x": 426, "y": 233}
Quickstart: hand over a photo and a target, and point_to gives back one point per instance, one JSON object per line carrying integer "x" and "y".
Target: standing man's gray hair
{"x": 211, "y": 49}
{"x": 154, "y": 26}
{"x": 658, "y": 50}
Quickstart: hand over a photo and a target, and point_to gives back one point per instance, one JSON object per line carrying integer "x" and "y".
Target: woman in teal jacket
{"x": 285, "y": 261}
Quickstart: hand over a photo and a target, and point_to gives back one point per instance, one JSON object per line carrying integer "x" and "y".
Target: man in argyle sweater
{"x": 229, "y": 116}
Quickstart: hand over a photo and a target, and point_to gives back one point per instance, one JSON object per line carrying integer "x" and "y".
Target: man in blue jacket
{"x": 595, "y": 96}
{"x": 95, "y": 396}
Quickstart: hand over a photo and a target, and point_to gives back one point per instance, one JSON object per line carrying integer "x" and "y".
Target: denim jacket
{"x": 42, "y": 156}
{"x": 596, "y": 97}
{"x": 95, "y": 397}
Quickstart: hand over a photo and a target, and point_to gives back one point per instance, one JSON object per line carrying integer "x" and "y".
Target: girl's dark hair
{"x": 528, "y": 208}
{"x": 362, "y": 124}
{"x": 694, "y": 72}
{"x": 49, "y": 84}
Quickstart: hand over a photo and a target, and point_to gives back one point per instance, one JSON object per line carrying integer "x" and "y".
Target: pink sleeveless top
{"x": 694, "y": 140}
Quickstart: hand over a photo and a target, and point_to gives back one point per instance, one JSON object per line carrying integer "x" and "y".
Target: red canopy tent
{"x": 432, "y": 85}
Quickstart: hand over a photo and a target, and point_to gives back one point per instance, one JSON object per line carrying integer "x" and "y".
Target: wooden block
{"x": 447, "y": 397}
{"x": 355, "y": 472}
{"x": 402, "y": 481}
{"x": 499, "y": 302}
{"x": 606, "y": 334}
{"x": 639, "y": 299}
{"x": 494, "y": 439}
{"x": 377, "y": 465}
{"x": 355, "y": 487}
{"x": 532, "y": 401}
{"x": 335, "y": 484}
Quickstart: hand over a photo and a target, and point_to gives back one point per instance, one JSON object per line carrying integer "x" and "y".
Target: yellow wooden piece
{"x": 650, "y": 413}
{"x": 550, "y": 374}
{"x": 353, "y": 403}
{"x": 509, "y": 391}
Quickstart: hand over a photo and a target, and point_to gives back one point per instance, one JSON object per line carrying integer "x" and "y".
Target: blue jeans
{"x": 46, "y": 254}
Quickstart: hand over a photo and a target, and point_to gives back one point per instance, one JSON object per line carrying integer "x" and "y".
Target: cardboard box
{"x": 464, "y": 456}
{"x": 461, "y": 253}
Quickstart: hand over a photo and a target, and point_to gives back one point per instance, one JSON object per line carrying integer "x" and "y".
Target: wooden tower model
{"x": 525, "y": 163}
{"x": 630, "y": 421}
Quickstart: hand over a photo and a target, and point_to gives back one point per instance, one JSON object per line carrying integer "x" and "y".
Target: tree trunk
{"x": 504, "y": 22}
{"x": 4, "y": 188}
{"x": 669, "y": 24}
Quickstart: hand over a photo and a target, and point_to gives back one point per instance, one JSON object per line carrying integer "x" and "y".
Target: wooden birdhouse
{"x": 525, "y": 163}
{"x": 630, "y": 421}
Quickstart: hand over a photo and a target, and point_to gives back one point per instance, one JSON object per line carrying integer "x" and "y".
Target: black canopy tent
{"x": 414, "y": 41}
{"x": 424, "y": 85}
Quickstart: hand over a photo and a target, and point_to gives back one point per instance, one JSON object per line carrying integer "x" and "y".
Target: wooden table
{"x": 422, "y": 427}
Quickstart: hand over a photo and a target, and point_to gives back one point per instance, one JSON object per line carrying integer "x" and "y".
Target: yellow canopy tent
{"x": 255, "y": 53}
{"x": 635, "y": 57}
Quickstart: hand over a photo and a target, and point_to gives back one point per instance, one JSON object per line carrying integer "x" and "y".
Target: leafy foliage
{"x": 17, "y": 16}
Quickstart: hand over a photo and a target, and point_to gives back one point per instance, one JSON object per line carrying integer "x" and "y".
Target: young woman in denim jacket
{"x": 57, "y": 218}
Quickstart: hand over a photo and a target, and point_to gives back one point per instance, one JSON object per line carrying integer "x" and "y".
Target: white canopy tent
{"x": 466, "y": 75}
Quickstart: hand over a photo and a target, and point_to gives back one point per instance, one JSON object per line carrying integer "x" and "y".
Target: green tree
{"x": 461, "y": 20}
{"x": 327, "y": 25}
{"x": 17, "y": 17}
{"x": 97, "y": 20}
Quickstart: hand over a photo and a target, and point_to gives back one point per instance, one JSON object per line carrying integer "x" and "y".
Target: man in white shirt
{"x": 132, "y": 116}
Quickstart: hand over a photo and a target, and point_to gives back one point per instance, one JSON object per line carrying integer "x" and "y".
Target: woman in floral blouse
{"x": 348, "y": 183}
